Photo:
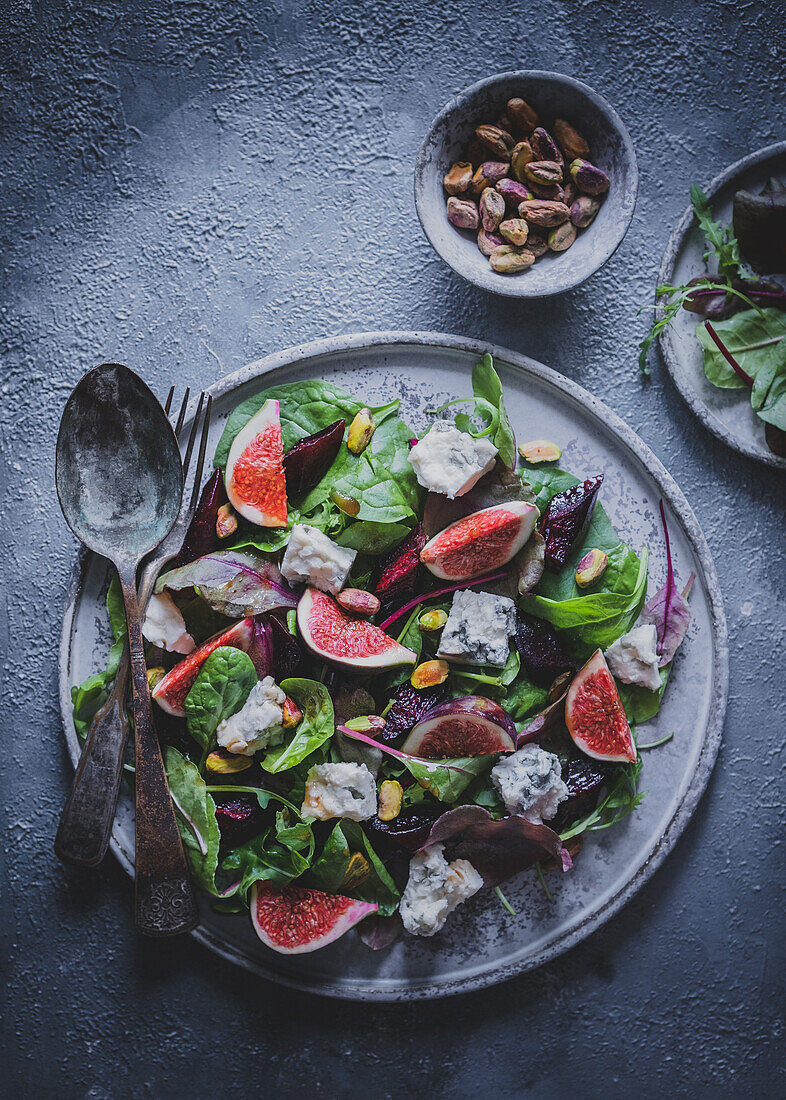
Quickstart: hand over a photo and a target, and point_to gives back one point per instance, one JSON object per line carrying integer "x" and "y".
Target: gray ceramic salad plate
{"x": 482, "y": 944}
{"x": 726, "y": 413}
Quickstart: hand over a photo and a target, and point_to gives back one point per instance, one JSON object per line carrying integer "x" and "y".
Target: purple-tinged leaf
{"x": 236, "y": 583}
{"x": 668, "y": 609}
{"x": 496, "y": 849}
{"x": 201, "y": 537}
{"x": 378, "y": 932}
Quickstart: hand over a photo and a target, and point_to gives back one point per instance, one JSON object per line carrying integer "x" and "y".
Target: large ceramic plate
{"x": 481, "y": 944}
{"x": 726, "y": 413}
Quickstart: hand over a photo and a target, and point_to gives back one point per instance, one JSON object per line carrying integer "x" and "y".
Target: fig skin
{"x": 566, "y": 520}
{"x": 309, "y": 460}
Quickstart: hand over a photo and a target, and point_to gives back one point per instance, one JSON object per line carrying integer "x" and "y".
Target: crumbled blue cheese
{"x": 434, "y": 889}
{"x": 530, "y": 783}
{"x": 478, "y": 628}
{"x": 449, "y": 461}
{"x": 258, "y": 724}
{"x": 312, "y": 558}
{"x": 633, "y": 658}
{"x": 165, "y": 626}
{"x": 340, "y": 790}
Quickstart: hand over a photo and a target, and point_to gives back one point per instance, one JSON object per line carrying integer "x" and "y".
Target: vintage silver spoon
{"x": 120, "y": 482}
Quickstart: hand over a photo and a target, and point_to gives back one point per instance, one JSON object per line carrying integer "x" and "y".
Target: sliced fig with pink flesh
{"x": 251, "y": 635}
{"x": 293, "y": 920}
{"x": 566, "y": 520}
{"x": 401, "y": 569}
{"x": 480, "y": 542}
{"x": 541, "y": 653}
{"x": 309, "y": 460}
{"x": 408, "y": 707}
{"x": 469, "y": 726}
{"x": 595, "y": 716}
{"x": 501, "y": 486}
{"x": 334, "y": 635}
{"x": 201, "y": 537}
{"x": 254, "y": 479}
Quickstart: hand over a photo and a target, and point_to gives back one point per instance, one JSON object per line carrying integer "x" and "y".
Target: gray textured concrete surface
{"x": 187, "y": 186}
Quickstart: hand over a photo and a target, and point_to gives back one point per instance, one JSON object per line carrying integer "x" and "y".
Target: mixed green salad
{"x": 394, "y": 671}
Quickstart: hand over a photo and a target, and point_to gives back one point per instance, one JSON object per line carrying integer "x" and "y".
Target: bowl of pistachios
{"x": 525, "y": 183}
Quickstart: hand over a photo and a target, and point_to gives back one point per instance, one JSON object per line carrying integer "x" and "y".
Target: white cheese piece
{"x": 633, "y": 658}
{"x": 450, "y": 462}
{"x": 340, "y": 790}
{"x": 258, "y": 724}
{"x": 478, "y": 628}
{"x": 434, "y": 889}
{"x": 312, "y": 558}
{"x": 530, "y": 783}
{"x": 164, "y": 625}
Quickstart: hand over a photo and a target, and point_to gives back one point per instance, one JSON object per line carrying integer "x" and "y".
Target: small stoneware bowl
{"x": 553, "y": 96}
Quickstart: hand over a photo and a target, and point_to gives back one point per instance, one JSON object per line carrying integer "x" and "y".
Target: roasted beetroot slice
{"x": 566, "y": 520}
{"x": 239, "y": 819}
{"x": 201, "y": 537}
{"x": 540, "y": 651}
{"x": 584, "y": 779}
{"x": 409, "y": 830}
{"x": 408, "y": 707}
{"x": 401, "y": 569}
{"x": 309, "y": 460}
{"x": 289, "y": 656}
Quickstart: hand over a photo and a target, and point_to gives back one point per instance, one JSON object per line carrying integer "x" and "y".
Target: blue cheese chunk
{"x": 450, "y": 462}
{"x": 312, "y": 558}
{"x": 434, "y": 889}
{"x": 633, "y": 658}
{"x": 530, "y": 783}
{"x": 340, "y": 790}
{"x": 258, "y": 724}
{"x": 478, "y": 628}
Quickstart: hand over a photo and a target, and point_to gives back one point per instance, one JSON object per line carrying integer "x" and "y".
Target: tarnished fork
{"x": 86, "y": 821}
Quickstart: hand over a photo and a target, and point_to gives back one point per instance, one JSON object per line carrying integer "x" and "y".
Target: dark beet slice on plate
{"x": 201, "y": 537}
{"x": 566, "y": 520}
{"x": 584, "y": 778}
{"x": 309, "y": 460}
{"x": 409, "y": 831}
{"x": 540, "y": 650}
{"x": 408, "y": 707}
{"x": 239, "y": 818}
{"x": 289, "y": 656}
{"x": 401, "y": 569}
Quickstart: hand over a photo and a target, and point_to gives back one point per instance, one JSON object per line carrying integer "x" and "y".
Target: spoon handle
{"x": 164, "y": 898}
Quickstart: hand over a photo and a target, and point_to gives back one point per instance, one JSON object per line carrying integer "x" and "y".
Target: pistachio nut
{"x": 508, "y": 260}
{"x": 513, "y": 192}
{"x": 429, "y": 674}
{"x": 463, "y": 213}
{"x": 221, "y": 762}
{"x": 155, "y": 676}
{"x": 390, "y": 795}
{"x": 522, "y": 115}
{"x": 487, "y": 242}
{"x": 226, "y": 521}
{"x": 515, "y": 231}
{"x": 504, "y": 123}
{"x": 569, "y": 192}
{"x": 458, "y": 178}
{"x": 562, "y": 237}
{"x": 499, "y": 141}
{"x": 291, "y": 714}
{"x": 488, "y": 174}
{"x": 544, "y": 212}
{"x": 570, "y": 141}
{"x": 520, "y": 157}
{"x": 551, "y": 191}
{"x": 540, "y": 450}
{"x": 588, "y": 177}
{"x": 544, "y": 146}
{"x": 543, "y": 171}
{"x": 367, "y": 723}
{"x": 432, "y": 620}
{"x": 358, "y": 870}
{"x": 350, "y": 506}
{"x": 362, "y": 428}
{"x": 583, "y": 211}
{"x": 537, "y": 243}
{"x": 591, "y": 568}
{"x": 358, "y": 601}
{"x": 492, "y": 209}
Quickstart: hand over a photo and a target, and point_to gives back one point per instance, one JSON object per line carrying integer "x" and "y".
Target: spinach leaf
{"x": 315, "y": 728}
{"x": 280, "y": 854}
{"x": 640, "y": 703}
{"x": 328, "y": 871}
{"x": 372, "y": 537}
{"x": 196, "y": 818}
{"x": 524, "y": 698}
{"x": 116, "y": 608}
{"x": 486, "y": 385}
{"x": 222, "y": 686}
{"x": 755, "y": 339}
{"x": 447, "y": 779}
{"x": 88, "y": 697}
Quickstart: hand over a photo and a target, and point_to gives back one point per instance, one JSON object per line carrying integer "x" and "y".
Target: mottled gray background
{"x": 187, "y": 186}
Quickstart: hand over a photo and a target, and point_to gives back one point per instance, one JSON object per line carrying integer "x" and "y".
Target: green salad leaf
{"x": 721, "y": 242}
{"x": 196, "y": 817}
{"x": 372, "y": 537}
{"x": 220, "y": 689}
{"x": 279, "y": 854}
{"x": 487, "y": 386}
{"x": 447, "y": 779}
{"x": 641, "y": 703}
{"x": 315, "y": 728}
{"x": 757, "y": 340}
{"x": 328, "y": 870}
{"x": 88, "y": 697}
{"x": 621, "y": 798}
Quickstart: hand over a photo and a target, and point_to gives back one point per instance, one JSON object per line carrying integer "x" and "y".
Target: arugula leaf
{"x": 220, "y": 689}
{"x": 280, "y": 854}
{"x": 721, "y": 242}
{"x": 196, "y": 817}
{"x": 621, "y": 798}
{"x": 315, "y": 728}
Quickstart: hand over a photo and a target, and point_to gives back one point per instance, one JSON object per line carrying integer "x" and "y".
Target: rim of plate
{"x": 666, "y": 339}
{"x": 661, "y": 845}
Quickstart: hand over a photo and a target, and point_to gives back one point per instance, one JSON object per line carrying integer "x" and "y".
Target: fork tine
{"x": 168, "y": 404}
{"x": 182, "y": 414}
{"x": 201, "y": 456}
{"x": 192, "y": 435}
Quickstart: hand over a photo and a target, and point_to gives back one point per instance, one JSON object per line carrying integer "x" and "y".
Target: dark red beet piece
{"x": 401, "y": 569}
{"x": 409, "y": 830}
{"x": 201, "y": 537}
{"x": 309, "y": 460}
{"x": 540, "y": 650}
{"x": 408, "y": 707}
{"x": 583, "y": 778}
{"x": 239, "y": 819}
{"x": 566, "y": 520}
{"x": 289, "y": 656}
